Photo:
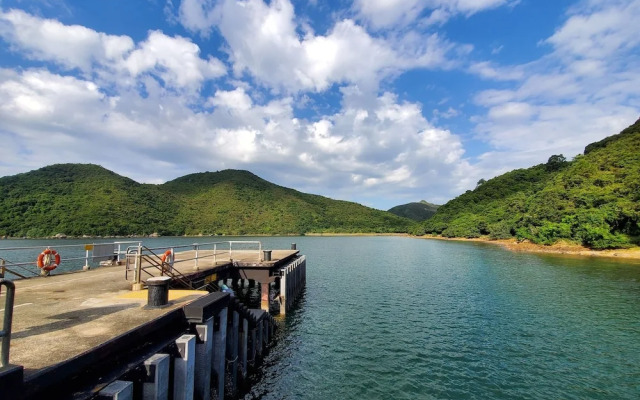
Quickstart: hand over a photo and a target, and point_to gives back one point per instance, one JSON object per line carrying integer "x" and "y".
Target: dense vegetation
{"x": 420, "y": 211}
{"x": 593, "y": 200}
{"x": 78, "y": 199}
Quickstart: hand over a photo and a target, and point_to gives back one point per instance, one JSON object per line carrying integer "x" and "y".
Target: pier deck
{"x": 61, "y": 316}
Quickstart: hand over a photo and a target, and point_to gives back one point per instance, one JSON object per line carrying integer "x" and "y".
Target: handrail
{"x": 74, "y": 256}
{"x": 167, "y": 269}
{"x": 5, "y": 334}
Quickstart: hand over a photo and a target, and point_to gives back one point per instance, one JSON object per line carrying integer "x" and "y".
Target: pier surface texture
{"x": 62, "y": 317}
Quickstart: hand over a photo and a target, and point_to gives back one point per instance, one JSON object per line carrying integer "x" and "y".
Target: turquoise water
{"x": 402, "y": 318}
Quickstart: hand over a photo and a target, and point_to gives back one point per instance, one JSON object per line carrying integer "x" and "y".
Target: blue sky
{"x": 381, "y": 102}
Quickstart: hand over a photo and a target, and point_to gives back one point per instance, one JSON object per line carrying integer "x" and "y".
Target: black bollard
{"x": 293, "y": 246}
{"x": 267, "y": 255}
{"x": 158, "y": 291}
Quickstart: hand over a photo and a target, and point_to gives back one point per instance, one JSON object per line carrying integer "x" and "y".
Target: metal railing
{"x": 79, "y": 253}
{"x": 5, "y": 334}
{"x": 142, "y": 261}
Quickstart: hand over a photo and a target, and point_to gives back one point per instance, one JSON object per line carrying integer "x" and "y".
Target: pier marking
{"x": 19, "y": 305}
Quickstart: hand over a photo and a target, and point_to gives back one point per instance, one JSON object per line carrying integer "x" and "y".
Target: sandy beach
{"x": 558, "y": 248}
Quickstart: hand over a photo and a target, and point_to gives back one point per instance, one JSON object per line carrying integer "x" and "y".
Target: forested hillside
{"x": 78, "y": 199}
{"x": 593, "y": 200}
{"x": 417, "y": 211}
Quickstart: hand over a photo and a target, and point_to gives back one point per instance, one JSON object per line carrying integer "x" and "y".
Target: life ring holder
{"x": 48, "y": 260}
{"x": 168, "y": 258}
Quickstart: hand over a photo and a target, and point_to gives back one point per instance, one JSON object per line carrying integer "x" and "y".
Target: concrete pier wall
{"x": 202, "y": 350}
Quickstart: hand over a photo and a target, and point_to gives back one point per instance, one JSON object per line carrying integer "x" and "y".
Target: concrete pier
{"x": 88, "y": 334}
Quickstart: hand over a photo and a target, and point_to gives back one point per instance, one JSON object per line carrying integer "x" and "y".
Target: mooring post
{"x": 117, "y": 390}
{"x": 156, "y": 385}
{"x": 264, "y": 296}
{"x": 184, "y": 368}
{"x": 204, "y": 360}
{"x": 242, "y": 344}
{"x": 219, "y": 351}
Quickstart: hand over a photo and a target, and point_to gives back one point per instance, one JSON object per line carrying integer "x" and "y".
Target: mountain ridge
{"x": 87, "y": 199}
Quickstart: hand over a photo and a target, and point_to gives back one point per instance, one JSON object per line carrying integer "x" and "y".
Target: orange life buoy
{"x": 167, "y": 255}
{"x": 48, "y": 260}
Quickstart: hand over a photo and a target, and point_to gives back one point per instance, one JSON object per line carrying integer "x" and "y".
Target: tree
{"x": 481, "y": 182}
{"x": 555, "y": 162}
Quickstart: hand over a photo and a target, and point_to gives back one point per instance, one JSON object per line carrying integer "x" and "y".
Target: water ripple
{"x": 441, "y": 320}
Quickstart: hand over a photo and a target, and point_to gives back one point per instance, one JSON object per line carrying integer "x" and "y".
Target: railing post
{"x": 137, "y": 284}
{"x": 118, "y": 257}
{"x": 86, "y": 258}
{"x": 2, "y": 268}
{"x": 215, "y": 256}
{"x": 196, "y": 247}
{"x": 5, "y": 335}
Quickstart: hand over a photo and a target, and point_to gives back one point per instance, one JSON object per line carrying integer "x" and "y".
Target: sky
{"x": 381, "y": 102}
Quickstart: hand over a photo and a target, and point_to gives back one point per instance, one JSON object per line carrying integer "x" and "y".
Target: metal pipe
{"x": 5, "y": 334}
{"x": 139, "y": 265}
{"x": 196, "y": 247}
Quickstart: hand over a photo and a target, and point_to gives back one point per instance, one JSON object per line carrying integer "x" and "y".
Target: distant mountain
{"x": 85, "y": 199}
{"x": 593, "y": 200}
{"x": 420, "y": 211}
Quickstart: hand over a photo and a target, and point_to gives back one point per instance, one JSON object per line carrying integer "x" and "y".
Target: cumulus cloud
{"x": 71, "y": 46}
{"x": 174, "y": 60}
{"x": 264, "y": 41}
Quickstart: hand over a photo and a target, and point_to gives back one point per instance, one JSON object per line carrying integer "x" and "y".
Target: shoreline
{"x": 560, "y": 248}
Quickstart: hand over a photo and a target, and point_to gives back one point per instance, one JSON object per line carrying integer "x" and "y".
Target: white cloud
{"x": 595, "y": 34}
{"x": 72, "y": 46}
{"x": 175, "y": 60}
{"x": 198, "y": 15}
{"x": 485, "y": 69}
{"x": 236, "y": 99}
{"x": 390, "y": 13}
{"x": 263, "y": 40}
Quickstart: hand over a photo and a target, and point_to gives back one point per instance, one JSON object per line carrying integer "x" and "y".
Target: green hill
{"x": 593, "y": 200}
{"x": 78, "y": 199}
{"x": 420, "y": 211}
